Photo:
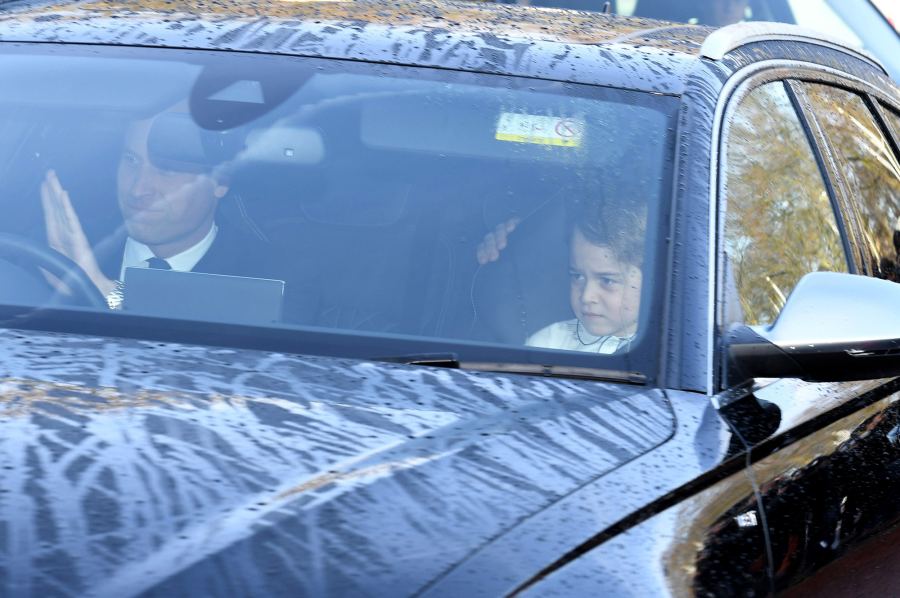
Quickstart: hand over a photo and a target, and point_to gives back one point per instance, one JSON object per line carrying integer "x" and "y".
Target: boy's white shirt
{"x": 565, "y": 335}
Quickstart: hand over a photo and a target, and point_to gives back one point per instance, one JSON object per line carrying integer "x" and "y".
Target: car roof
{"x": 548, "y": 43}
{"x": 566, "y": 45}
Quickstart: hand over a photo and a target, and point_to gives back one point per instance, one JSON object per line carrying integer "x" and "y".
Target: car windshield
{"x": 399, "y": 209}
{"x": 856, "y": 21}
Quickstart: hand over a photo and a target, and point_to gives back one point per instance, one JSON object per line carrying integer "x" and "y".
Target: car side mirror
{"x": 833, "y": 327}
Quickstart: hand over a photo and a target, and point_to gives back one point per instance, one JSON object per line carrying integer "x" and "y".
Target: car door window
{"x": 779, "y": 219}
{"x": 893, "y": 121}
{"x": 870, "y": 169}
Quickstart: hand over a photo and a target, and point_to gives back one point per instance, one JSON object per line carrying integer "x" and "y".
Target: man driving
{"x": 168, "y": 204}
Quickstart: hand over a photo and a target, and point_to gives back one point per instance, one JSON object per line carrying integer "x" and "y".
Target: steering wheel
{"x": 83, "y": 290}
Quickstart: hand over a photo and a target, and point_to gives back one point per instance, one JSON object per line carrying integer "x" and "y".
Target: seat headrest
{"x": 528, "y": 287}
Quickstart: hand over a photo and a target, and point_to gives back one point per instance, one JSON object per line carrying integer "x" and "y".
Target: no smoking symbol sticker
{"x": 567, "y": 128}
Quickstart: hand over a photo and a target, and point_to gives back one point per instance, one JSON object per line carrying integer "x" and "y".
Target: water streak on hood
{"x": 132, "y": 466}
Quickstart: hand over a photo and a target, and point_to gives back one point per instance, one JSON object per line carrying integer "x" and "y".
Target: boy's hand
{"x": 65, "y": 234}
{"x": 495, "y": 241}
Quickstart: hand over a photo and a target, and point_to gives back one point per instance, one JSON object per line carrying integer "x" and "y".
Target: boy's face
{"x": 605, "y": 293}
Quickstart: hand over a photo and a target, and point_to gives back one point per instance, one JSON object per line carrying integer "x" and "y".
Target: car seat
{"x": 361, "y": 218}
{"x": 528, "y": 287}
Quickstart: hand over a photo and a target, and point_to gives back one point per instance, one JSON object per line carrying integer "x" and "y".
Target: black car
{"x": 389, "y": 298}
{"x": 860, "y": 23}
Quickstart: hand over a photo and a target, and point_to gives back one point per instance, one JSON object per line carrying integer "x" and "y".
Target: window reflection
{"x": 870, "y": 168}
{"x": 338, "y": 195}
{"x": 894, "y": 122}
{"x": 779, "y": 223}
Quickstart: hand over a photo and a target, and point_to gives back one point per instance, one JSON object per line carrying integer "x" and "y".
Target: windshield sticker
{"x": 543, "y": 130}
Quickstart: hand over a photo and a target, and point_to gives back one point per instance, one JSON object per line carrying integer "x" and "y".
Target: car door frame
{"x": 798, "y": 423}
{"x": 739, "y": 86}
{"x": 873, "y": 99}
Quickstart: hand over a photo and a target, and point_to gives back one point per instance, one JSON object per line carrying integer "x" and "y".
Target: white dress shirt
{"x": 136, "y": 254}
{"x": 569, "y": 336}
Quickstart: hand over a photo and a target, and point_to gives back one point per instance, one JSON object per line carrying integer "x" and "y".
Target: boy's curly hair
{"x": 617, "y": 224}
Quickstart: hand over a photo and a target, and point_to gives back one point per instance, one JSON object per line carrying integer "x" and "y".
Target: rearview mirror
{"x": 834, "y": 327}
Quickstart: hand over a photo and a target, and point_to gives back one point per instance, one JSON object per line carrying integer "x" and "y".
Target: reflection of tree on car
{"x": 870, "y": 170}
{"x": 765, "y": 253}
{"x": 830, "y": 521}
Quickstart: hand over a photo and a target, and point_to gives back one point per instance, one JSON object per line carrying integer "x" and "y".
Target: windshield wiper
{"x": 451, "y": 360}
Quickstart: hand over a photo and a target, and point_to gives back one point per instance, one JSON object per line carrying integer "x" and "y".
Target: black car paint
{"x": 123, "y": 476}
{"x": 844, "y": 490}
{"x": 563, "y": 50}
{"x": 564, "y": 547}
{"x": 824, "y": 489}
{"x": 824, "y": 504}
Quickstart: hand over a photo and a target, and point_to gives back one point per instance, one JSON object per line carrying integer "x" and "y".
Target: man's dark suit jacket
{"x": 236, "y": 252}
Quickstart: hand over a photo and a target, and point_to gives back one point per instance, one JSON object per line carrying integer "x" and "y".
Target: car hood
{"x": 133, "y": 467}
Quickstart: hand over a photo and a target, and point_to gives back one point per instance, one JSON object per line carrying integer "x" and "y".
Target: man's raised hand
{"x": 65, "y": 233}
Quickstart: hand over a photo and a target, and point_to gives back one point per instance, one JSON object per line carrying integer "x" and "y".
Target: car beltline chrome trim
{"x": 724, "y": 40}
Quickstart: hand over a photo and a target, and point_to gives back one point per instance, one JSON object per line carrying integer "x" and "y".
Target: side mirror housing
{"x": 834, "y": 327}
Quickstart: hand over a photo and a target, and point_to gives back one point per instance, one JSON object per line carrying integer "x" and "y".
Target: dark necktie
{"x": 158, "y": 263}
